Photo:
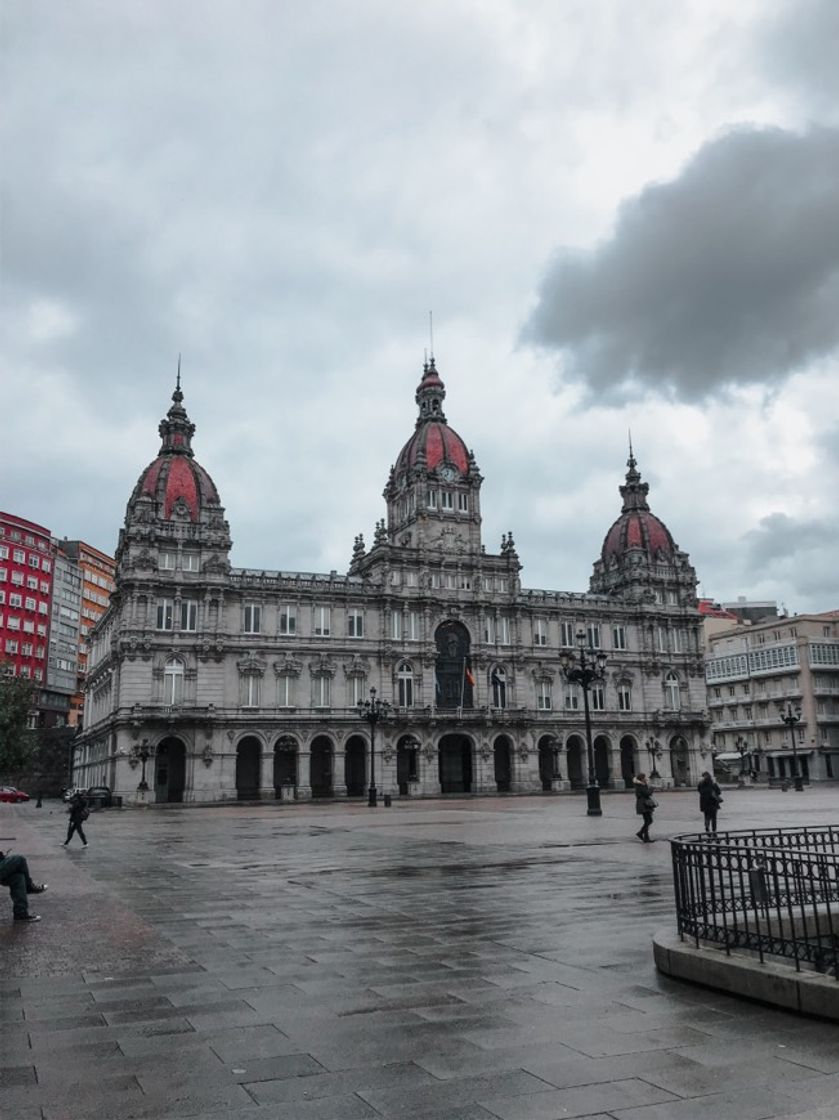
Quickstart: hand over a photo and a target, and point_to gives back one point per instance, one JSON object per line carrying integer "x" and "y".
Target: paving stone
{"x": 12, "y": 1076}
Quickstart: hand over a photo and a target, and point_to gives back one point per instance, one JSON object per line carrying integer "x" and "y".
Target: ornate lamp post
{"x": 144, "y": 754}
{"x": 584, "y": 670}
{"x": 655, "y": 751}
{"x": 791, "y": 716}
{"x": 742, "y": 746}
{"x": 371, "y": 711}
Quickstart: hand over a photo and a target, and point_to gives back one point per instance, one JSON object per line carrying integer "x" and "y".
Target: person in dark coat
{"x": 709, "y": 800}
{"x": 644, "y": 806}
{"x": 14, "y": 874}
{"x": 78, "y": 814}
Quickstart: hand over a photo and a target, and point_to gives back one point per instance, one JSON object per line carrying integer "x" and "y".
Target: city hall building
{"x": 209, "y": 682}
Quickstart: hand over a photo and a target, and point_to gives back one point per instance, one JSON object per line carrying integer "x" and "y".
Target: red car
{"x": 9, "y": 793}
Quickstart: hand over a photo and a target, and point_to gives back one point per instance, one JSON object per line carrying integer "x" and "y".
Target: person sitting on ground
{"x": 14, "y": 874}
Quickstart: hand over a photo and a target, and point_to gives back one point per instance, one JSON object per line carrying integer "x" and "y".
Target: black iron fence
{"x": 770, "y": 892}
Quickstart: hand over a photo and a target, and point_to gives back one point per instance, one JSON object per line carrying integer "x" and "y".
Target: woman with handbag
{"x": 645, "y": 804}
{"x": 78, "y": 814}
{"x": 709, "y": 800}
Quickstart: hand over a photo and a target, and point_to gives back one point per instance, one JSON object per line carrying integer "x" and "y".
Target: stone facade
{"x": 214, "y": 683}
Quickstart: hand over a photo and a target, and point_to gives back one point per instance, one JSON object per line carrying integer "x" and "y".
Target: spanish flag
{"x": 470, "y": 677}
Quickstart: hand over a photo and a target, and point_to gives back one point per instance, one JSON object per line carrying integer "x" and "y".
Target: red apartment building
{"x": 26, "y": 581}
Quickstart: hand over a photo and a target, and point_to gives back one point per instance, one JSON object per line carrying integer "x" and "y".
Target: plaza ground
{"x": 470, "y": 959}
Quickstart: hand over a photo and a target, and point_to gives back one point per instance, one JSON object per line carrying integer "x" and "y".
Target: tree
{"x": 16, "y": 740}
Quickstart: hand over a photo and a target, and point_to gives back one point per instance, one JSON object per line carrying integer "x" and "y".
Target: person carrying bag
{"x": 710, "y": 800}
{"x": 645, "y": 805}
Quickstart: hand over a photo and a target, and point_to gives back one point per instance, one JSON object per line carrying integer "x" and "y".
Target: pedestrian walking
{"x": 709, "y": 800}
{"x": 78, "y": 814}
{"x": 645, "y": 804}
{"x": 14, "y": 874}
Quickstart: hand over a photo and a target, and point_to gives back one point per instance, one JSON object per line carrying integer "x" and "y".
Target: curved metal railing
{"x": 772, "y": 892}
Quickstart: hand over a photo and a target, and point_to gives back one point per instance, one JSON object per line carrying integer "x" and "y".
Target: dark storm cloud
{"x": 798, "y": 47}
{"x": 726, "y": 276}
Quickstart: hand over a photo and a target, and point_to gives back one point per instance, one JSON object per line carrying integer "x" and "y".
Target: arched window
{"x": 405, "y": 685}
{"x": 173, "y": 681}
{"x": 498, "y": 680}
{"x": 672, "y": 698}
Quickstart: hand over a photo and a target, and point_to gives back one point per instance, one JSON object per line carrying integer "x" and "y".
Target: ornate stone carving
{"x": 288, "y": 666}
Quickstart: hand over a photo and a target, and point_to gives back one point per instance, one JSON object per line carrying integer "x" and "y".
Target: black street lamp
{"x": 144, "y": 754}
{"x": 655, "y": 751}
{"x": 372, "y": 711}
{"x": 584, "y": 671}
{"x": 791, "y": 716}
{"x": 742, "y": 746}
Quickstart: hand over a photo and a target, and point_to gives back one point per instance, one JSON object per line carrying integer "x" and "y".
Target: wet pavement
{"x": 481, "y": 959}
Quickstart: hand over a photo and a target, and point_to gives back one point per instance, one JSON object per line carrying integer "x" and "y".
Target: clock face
{"x": 448, "y": 474}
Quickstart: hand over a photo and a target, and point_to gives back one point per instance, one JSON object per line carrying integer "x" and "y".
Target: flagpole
{"x": 462, "y": 683}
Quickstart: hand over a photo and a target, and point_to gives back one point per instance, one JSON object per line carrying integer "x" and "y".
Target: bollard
{"x": 387, "y": 800}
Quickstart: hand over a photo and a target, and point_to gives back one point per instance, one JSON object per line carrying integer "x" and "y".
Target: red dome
{"x": 637, "y": 528}
{"x": 438, "y": 443}
{"x": 171, "y": 478}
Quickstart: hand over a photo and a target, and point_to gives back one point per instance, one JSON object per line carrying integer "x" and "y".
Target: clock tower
{"x": 433, "y": 493}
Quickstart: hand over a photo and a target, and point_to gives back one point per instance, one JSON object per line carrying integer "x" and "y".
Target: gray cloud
{"x": 726, "y": 276}
{"x": 796, "y": 553}
{"x": 798, "y": 47}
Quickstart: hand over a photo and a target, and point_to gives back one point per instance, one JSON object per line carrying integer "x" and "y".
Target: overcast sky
{"x": 623, "y": 215}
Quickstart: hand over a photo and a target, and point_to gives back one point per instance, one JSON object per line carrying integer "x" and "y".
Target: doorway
{"x": 248, "y": 766}
{"x": 321, "y": 767}
{"x": 455, "y": 762}
{"x": 355, "y": 766}
{"x": 503, "y": 763}
{"x": 170, "y": 771}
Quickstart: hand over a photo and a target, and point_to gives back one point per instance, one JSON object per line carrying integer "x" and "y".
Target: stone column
{"x": 266, "y": 776}
{"x": 339, "y": 771}
{"x": 485, "y": 770}
{"x": 304, "y": 774}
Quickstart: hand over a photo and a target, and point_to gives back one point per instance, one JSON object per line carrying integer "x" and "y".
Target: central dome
{"x": 637, "y": 528}
{"x": 174, "y": 480}
{"x": 433, "y": 442}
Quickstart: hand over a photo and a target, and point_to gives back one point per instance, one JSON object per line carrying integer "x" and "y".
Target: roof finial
{"x": 178, "y": 383}
{"x": 431, "y": 335}
{"x": 631, "y": 462}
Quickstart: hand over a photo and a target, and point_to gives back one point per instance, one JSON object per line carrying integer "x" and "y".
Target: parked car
{"x": 99, "y": 797}
{"x": 71, "y": 792}
{"x": 9, "y": 793}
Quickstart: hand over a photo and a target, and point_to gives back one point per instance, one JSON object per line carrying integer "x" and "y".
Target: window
{"x": 11, "y": 645}
{"x": 15, "y": 600}
{"x": 3, "y": 575}
{"x": 32, "y": 583}
{"x": 412, "y": 626}
{"x": 190, "y": 561}
{"x": 498, "y": 680}
{"x": 450, "y": 580}
{"x": 165, "y": 615}
{"x": 285, "y": 691}
{"x": 618, "y": 637}
{"x": 489, "y": 630}
{"x": 411, "y": 579}
{"x": 593, "y": 636}
{"x": 321, "y": 691}
{"x": 405, "y": 685}
{"x": 19, "y": 556}
{"x": 661, "y": 636}
{"x": 166, "y": 561}
{"x": 540, "y": 632}
{"x": 396, "y": 626}
{"x": 672, "y": 698}
{"x": 504, "y": 630}
{"x": 4, "y": 552}
{"x": 625, "y": 697}
{"x": 597, "y": 698}
{"x": 462, "y": 503}
{"x": 173, "y": 682}
{"x": 46, "y": 566}
{"x": 747, "y": 713}
{"x": 446, "y": 500}
{"x": 566, "y": 634}
{"x": 17, "y": 579}
{"x": 30, "y": 603}
{"x": 746, "y": 689}
{"x": 288, "y": 620}
{"x": 252, "y": 622}
{"x": 572, "y": 699}
{"x": 432, "y": 499}
{"x": 357, "y": 690}
{"x": 250, "y": 690}
{"x": 543, "y": 696}
{"x": 322, "y": 622}
{"x": 678, "y": 641}
{"x": 464, "y": 582}
{"x": 355, "y": 623}
{"x": 189, "y": 614}
{"x": 13, "y": 622}
{"x": 44, "y": 609}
